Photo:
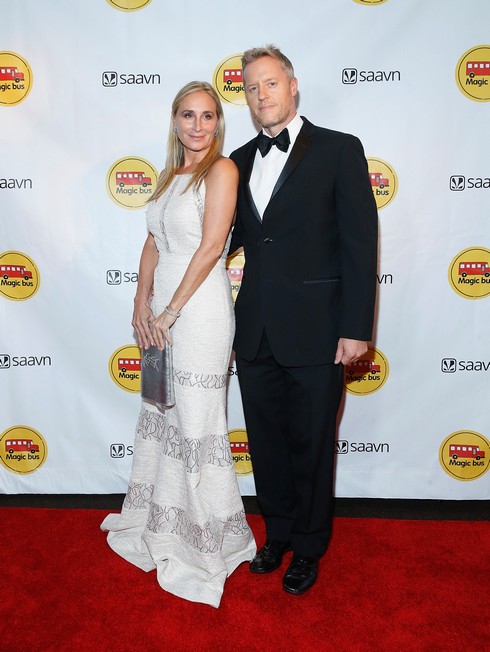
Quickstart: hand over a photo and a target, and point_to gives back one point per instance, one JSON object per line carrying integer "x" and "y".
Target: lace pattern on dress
{"x": 199, "y": 202}
{"x": 138, "y": 496}
{"x": 206, "y": 538}
{"x": 202, "y": 381}
{"x": 167, "y": 198}
{"x": 151, "y": 425}
{"x": 193, "y": 453}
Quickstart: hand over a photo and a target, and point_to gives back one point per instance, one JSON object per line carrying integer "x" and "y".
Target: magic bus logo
{"x": 228, "y": 80}
{"x": 19, "y": 276}
{"x": 15, "y": 79}
{"x": 368, "y": 374}
{"x": 384, "y": 181}
{"x": 459, "y": 182}
{"x": 240, "y": 451}
{"x": 473, "y": 73}
{"x": 131, "y": 181}
{"x": 465, "y": 455}
{"x": 129, "y": 5}
{"x": 23, "y": 450}
{"x": 125, "y": 368}
{"x": 234, "y": 267}
{"x": 469, "y": 273}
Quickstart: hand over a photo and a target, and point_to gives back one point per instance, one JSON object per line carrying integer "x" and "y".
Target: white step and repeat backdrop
{"x": 85, "y": 93}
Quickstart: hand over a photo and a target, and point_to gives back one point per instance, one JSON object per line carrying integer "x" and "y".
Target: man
{"x": 307, "y": 220}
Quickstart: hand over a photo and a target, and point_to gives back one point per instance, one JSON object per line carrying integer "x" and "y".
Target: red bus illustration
{"x": 15, "y": 271}
{"x": 238, "y": 447}
{"x": 22, "y": 445}
{"x": 465, "y": 450}
{"x": 474, "y": 269}
{"x": 129, "y": 364}
{"x": 7, "y": 74}
{"x": 235, "y": 274}
{"x": 377, "y": 180}
{"x": 233, "y": 76}
{"x": 363, "y": 367}
{"x": 478, "y": 68}
{"x": 132, "y": 179}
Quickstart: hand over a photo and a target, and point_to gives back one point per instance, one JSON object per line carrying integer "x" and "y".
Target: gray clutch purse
{"x": 157, "y": 376}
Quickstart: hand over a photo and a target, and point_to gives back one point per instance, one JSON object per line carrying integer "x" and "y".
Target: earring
{"x": 175, "y": 130}
{"x": 216, "y": 133}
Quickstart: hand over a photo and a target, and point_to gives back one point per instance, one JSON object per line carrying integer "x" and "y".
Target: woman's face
{"x": 196, "y": 121}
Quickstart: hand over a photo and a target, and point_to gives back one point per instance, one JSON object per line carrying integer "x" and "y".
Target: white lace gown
{"x": 183, "y": 513}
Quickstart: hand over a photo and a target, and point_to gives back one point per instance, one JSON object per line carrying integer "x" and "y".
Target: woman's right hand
{"x": 142, "y": 315}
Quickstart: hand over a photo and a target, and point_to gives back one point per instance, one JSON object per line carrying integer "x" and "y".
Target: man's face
{"x": 270, "y": 94}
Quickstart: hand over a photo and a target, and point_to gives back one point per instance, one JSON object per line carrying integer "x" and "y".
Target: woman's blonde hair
{"x": 175, "y": 149}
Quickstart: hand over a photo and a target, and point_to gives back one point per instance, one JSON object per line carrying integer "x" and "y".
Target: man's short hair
{"x": 249, "y": 56}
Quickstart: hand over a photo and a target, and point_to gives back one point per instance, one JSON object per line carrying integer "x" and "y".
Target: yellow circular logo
{"x": 384, "y": 181}
{"x": 15, "y": 79}
{"x": 370, "y": 2}
{"x": 129, "y": 5}
{"x": 125, "y": 368}
{"x": 234, "y": 267}
{"x": 240, "y": 452}
{"x": 131, "y": 181}
{"x": 228, "y": 81}
{"x": 465, "y": 455}
{"x": 473, "y": 73}
{"x": 19, "y": 276}
{"x": 22, "y": 450}
{"x": 368, "y": 374}
{"x": 469, "y": 273}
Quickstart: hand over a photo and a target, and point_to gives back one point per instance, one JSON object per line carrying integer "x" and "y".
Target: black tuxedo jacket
{"x": 310, "y": 264}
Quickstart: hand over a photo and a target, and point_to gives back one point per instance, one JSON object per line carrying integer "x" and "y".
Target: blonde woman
{"x": 183, "y": 513}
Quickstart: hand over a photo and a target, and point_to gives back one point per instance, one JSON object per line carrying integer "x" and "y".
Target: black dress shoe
{"x": 269, "y": 558}
{"x": 300, "y": 575}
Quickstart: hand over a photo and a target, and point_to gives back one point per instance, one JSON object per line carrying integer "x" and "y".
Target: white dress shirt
{"x": 266, "y": 170}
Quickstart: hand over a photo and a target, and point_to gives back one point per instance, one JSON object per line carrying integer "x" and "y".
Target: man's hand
{"x": 349, "y": 351}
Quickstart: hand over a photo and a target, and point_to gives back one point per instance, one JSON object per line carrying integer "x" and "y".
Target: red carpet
{"x": 383, "y": 585}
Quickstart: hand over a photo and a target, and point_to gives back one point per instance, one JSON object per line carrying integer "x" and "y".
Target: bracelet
{"x": 172, "y": 314}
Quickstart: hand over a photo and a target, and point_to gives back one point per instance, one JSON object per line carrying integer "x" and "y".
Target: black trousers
{"x": 290, "y": 416}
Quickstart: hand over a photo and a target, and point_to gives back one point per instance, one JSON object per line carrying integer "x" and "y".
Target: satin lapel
{"x": 301, "y": 146}
{"x": 246, "y": 178}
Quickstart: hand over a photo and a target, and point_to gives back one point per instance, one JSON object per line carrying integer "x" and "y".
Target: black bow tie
{"x": 281, "y": 141}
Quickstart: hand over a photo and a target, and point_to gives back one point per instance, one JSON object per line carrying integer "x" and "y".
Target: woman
{"x": 183, "y": 513}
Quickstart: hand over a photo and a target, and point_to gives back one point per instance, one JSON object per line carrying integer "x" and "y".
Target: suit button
{"x": 267, "y": 240}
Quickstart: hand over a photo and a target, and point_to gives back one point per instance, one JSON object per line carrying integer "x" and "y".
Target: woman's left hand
{"x": 160, "y": 327}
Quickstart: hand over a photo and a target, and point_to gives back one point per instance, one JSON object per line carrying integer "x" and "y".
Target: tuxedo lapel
{"x": 247, "y": 175}
{"x": 301, "y": 146}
